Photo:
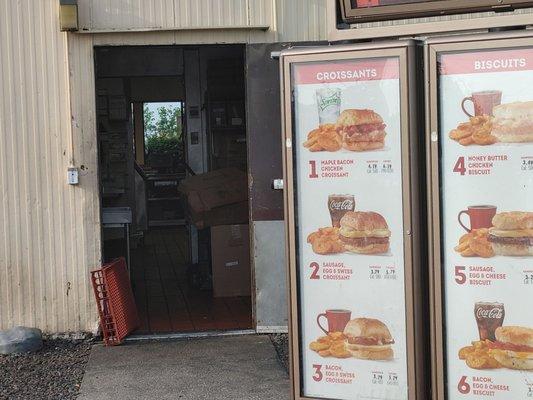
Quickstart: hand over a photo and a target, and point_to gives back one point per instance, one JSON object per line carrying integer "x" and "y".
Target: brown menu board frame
{"x": 380, "y": 12}
{"x": 414, "y": 291}
{"x": 433, "y": 49}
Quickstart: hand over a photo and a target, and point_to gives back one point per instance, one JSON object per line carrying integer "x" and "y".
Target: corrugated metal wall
{"x": 199, "y": 21}
{"x": 301, "y": 20}
{"x": 173, "y": 14}
{"x": 49, "y": 237}
{"x": 50, "y": 231}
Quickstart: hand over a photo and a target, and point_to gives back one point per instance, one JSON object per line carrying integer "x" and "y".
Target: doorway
{"x": 169, "y": 115}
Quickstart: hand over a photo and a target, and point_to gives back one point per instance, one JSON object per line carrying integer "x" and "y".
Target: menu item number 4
{"x": 494, "y": 122}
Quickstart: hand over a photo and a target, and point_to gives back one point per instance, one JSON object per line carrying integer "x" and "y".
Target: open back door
{"x": 351, "y": 212}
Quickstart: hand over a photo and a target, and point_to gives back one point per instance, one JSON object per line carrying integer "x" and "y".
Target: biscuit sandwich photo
{"x": 512, "y": 233}
{"x": 513, "y": 122}
{"x": 513, "y": 348}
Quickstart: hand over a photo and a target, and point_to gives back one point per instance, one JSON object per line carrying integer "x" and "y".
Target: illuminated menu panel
{"x": 376, "y": 3}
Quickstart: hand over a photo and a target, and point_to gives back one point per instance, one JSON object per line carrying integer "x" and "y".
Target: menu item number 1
{"x": 354, "y": 130}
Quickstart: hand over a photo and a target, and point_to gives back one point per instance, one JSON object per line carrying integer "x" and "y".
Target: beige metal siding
{"x": 49, "y": 237}
{"x": 120, "y": 14}
{"x": 109, "y": 15}
{"x": 50, "y": 231}
{"x": 301, "y": 20}
{"x": 286, "y": 20}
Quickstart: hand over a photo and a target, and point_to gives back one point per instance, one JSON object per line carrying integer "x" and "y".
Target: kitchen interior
{"x": 173, "y": 182}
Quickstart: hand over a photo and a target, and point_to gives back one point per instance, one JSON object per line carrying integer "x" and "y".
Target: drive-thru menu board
{"x": 486, "y": 168}
{"x": 348, "y": 206}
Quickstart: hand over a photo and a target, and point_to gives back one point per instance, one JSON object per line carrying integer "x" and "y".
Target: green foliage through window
{"x": 163, "y": 130}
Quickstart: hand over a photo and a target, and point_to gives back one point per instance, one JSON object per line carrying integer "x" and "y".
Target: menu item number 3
{"x": 360, "y": 338}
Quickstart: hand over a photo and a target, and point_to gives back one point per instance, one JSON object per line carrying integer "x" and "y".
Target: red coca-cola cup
{"x": 338, "y": 205}
{"x": 489, "y": 317}
{"x": 480, "y": 217}
{"x": 337, "y": 320}
{"x": 484, "y": 102}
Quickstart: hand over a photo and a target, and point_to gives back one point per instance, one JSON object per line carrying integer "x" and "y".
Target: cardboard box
{"x": 218, "y": 197}
{"x": 226, "y": 215}
{"x": 230, "y": 258}
{"x": 215, "y": 189}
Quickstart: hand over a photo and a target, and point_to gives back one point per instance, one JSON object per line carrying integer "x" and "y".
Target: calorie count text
{"x": 388, "y": 274}
{"x": 376, "y": 167}
{"x": 528, "y": 278}
{"x": 377, "y": 378}
{"x": 527, "y": 164}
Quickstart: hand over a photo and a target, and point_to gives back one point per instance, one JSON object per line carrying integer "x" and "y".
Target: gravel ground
{"x": 281, "y": 343}
{"x": 53, "y": 373}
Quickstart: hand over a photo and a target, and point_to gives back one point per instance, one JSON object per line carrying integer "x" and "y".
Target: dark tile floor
{"x": 166, "y": 302}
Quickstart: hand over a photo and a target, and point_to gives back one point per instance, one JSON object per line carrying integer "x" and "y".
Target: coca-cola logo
{"x": 342, "y": 205}
{"x": 490, "y": 313}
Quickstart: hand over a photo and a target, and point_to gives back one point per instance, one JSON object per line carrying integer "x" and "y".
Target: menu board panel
{"x": 377, "y": 3}
{"x": 349, "y": 217}
{"x": 486, "y": 175}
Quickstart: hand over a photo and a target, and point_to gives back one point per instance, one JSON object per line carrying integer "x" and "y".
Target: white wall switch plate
{"x": 278, "y": 184}
{"x": 72, "y": 176}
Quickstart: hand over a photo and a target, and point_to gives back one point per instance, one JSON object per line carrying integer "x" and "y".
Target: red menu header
{"x": 347, "y": 71}
{"x": 486, "y": 61}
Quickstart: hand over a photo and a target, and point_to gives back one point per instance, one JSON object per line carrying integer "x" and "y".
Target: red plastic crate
{"x": 115, "y": 301}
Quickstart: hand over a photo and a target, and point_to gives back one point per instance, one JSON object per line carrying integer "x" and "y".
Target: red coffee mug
{"x": 337, "y": 320}
{"x": 484, "y": 102}
{"x": 480, "y": 217}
